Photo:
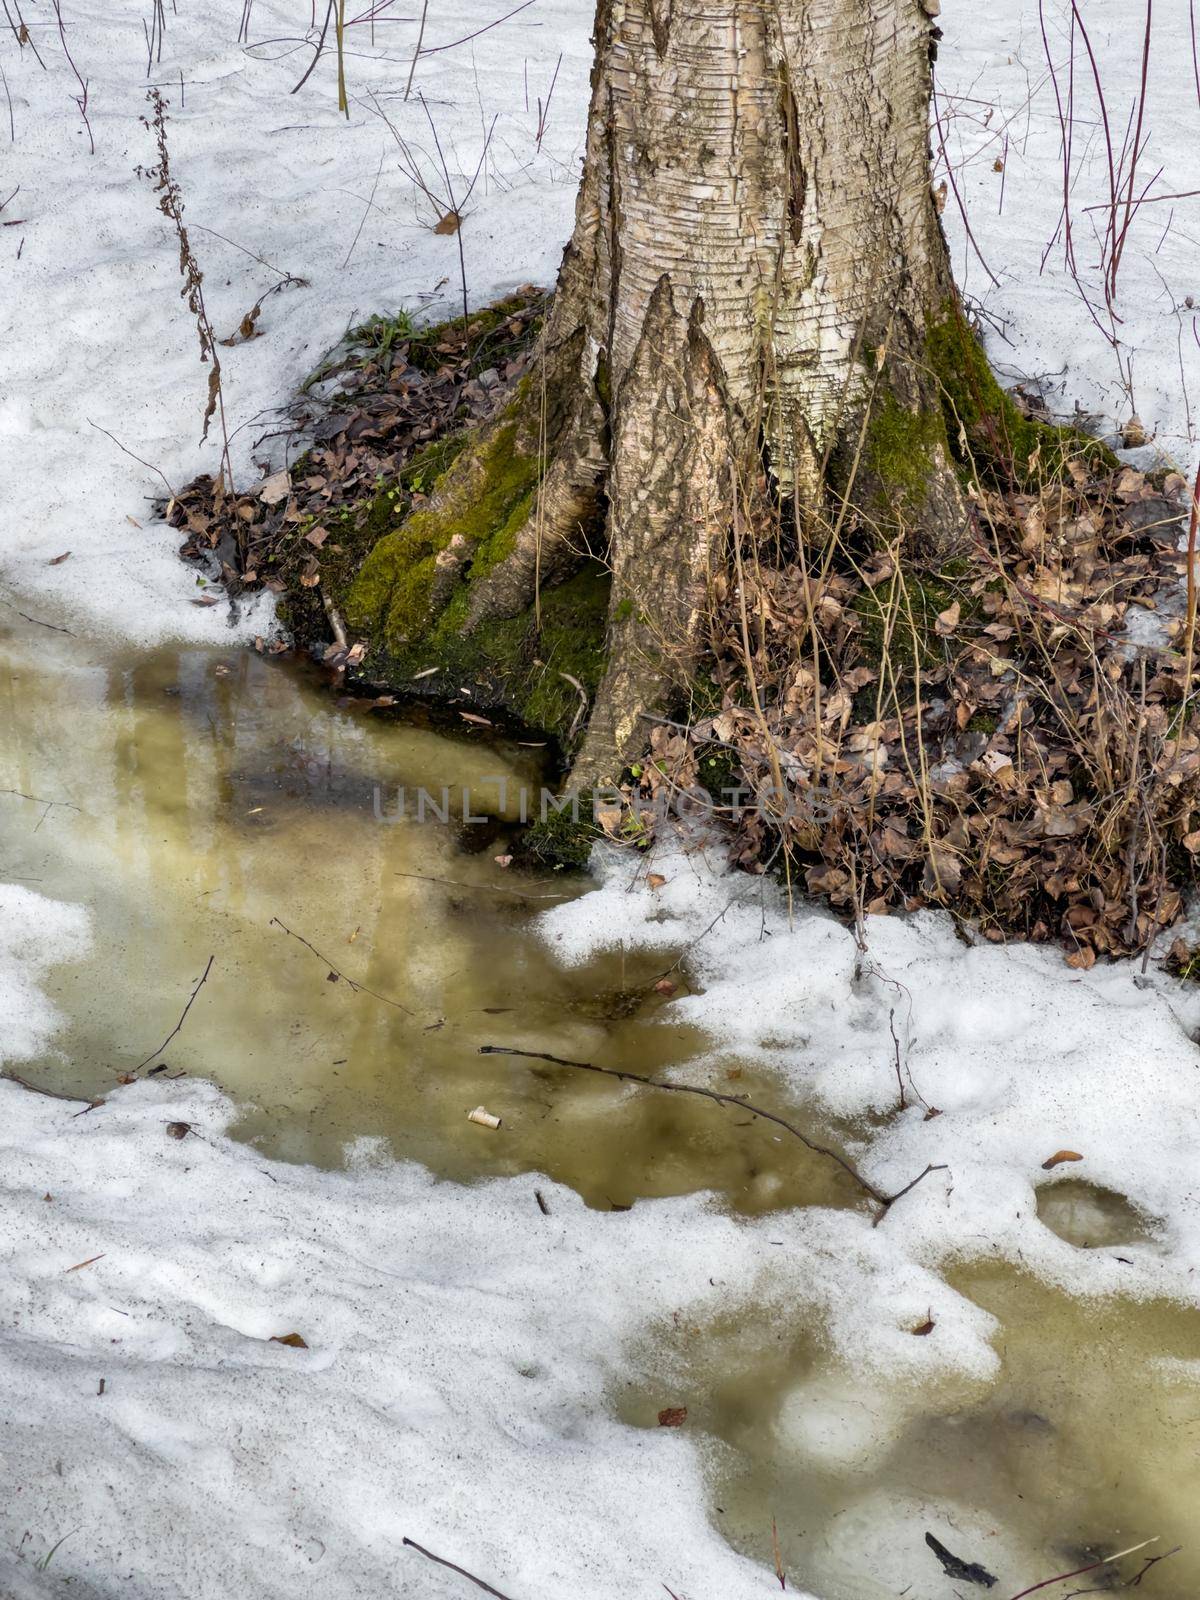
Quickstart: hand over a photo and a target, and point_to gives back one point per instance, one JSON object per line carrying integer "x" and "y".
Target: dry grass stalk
{"x": 170, "y": 203}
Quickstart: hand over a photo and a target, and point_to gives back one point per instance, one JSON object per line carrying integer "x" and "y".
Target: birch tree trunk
{"x": 756, "y": 262}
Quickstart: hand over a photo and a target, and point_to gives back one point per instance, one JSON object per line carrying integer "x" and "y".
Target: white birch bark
{"x": 754, "y": 224}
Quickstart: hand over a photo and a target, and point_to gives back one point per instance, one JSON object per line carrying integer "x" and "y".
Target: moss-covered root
{"x": 938, "y": 417}
{"x": 985, "y": 427}
{"x": 471, "y": 521}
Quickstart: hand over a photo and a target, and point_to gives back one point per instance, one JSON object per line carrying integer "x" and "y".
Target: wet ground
{"x": 219, "y": 804}
{"x": 196, "y": 801}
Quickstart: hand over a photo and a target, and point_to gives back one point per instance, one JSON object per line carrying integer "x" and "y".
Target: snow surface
{"x": 460, "y": 1344}
{"x": 95, "y": 335}
{"x": 997, "y": 103}
{"x": 1021, "y": 1056}
{"x": 92, "y": 327}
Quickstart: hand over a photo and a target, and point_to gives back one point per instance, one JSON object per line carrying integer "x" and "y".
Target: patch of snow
{"x": 997, "y": 105}
{"x": 94, "y": 333}
{"x": 35, "y": 934}
{"x": 460, "y": 1345}
{"x": 1022, "y": 1057}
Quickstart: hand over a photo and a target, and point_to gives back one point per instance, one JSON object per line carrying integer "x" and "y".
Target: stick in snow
{"x": 462, "y": 1571}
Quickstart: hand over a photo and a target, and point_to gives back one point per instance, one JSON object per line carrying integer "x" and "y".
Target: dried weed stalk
{"x": 170, "y": 203}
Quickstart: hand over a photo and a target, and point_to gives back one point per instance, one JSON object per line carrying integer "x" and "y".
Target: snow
{"x": 1021, "y": 1056}
{"x": 94, "y": 332}
{"x": 463, "y": 1348}
{"x": 35, "y": 933}
{"x": 996, "y": 101}
{"x": 460, "y": 1346}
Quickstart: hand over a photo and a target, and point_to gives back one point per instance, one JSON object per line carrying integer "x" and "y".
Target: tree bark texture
{"x": 755, "y": 260}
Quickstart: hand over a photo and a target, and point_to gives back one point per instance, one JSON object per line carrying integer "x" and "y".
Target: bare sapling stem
{"x": 81, "y": 99}
{"x": 339, "y": 34}
{"x": 417, "y": 51}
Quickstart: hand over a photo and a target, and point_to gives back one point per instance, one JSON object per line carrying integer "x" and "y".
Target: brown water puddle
{"x": 201, "y": 794}
{"x": 1085, "y": 1443}
{"x": 190, "y": 797}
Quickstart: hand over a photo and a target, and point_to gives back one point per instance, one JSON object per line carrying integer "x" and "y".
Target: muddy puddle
{"x": 1083, "y": 1444}
{"x": 197, "y": 800}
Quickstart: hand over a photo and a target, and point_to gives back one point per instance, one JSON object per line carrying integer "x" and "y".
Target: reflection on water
{"x": 201, "y": 794}
{"x": 1090, "y": 1217}
{"x": 190, "y": 798}
{"x": 1085, "y": 1443}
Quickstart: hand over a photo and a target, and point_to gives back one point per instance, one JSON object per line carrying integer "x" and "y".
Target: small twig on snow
{"x": 454, "y": 1567}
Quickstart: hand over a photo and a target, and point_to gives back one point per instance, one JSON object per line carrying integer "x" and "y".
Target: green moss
{"x": 508, "y": 662}
{"x": 560, "y": 840}
{"x": 482, "y": 500}
{"x": 718, "y": 769}
{"x": 900, "y": 453}
{"x": 485, "y": 333}
{"x": 914, "y": 638}
{"x": 421, "y": 472}
{"x": 996, "y": 429}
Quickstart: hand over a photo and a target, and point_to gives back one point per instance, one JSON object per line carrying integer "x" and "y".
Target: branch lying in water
{"x": 884, "y": 1200}
{"x": 1105, "y": 1562}
{"x": 335, "y": 972}
{"x": 182, "y": 1019}
{"x": 51, "y": 1094}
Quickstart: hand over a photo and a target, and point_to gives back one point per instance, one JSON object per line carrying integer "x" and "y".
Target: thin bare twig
{"x": 50, "y": 1094}
{"x": 37, "y": 621}
{"x": 454, "y": 1567}
{"x": 742, "y": 1104}
{"x": 482, "y": 888}
{"x": 149, "y": 465}
{"x": 1079, "y": 1571}
{"x": 182, "y": 1018}
{"x": 352, "y": 983}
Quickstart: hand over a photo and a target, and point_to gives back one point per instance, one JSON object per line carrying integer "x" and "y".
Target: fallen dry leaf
{"x": 448, "y": 224}
{"x": 655, "y": 880}
{"x": 292, "y": 1340}
{"x": 947, "y": 620}
{"x": 672, "y": 1417}
{"x": 1059, "y": 1157}
{"x": 275, "y": 488}
{"x": 57, "y": 561}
